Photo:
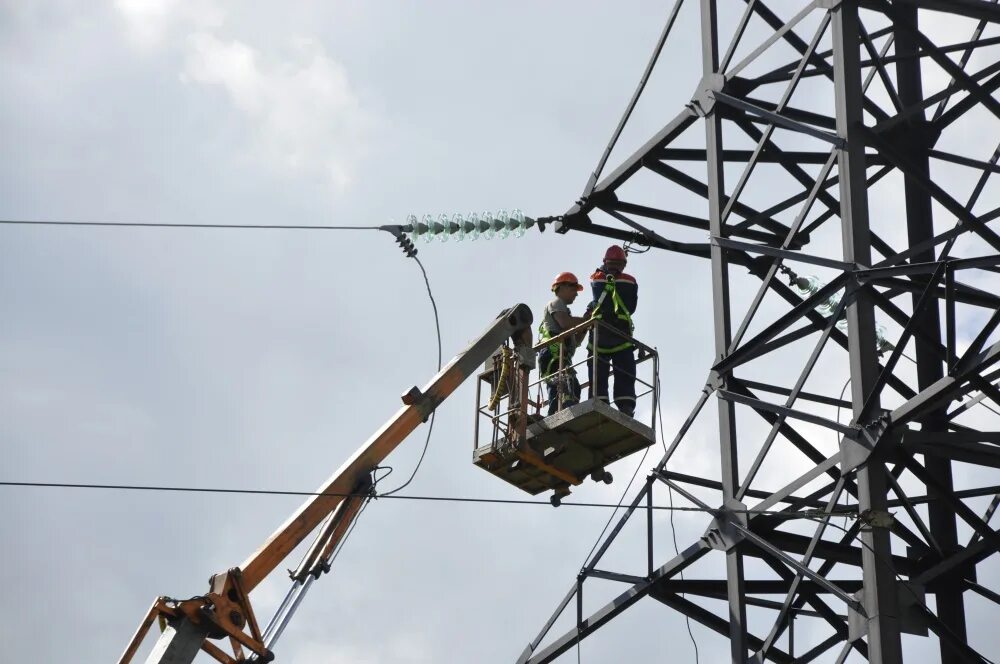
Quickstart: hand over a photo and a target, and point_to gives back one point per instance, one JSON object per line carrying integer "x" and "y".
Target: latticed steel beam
{"x": 903, "y": 424}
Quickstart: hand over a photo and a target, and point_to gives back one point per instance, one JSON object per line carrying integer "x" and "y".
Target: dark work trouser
{"x": 549, "y": 367}
{"x": 623, "y": 362}
{"x": 571, "y": 390}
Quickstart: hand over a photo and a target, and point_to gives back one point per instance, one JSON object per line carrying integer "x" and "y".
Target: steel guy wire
{"x": 671, "y": 18}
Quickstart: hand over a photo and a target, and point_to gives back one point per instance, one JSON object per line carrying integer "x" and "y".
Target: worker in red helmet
{"x": 616, "y": 295}
{"x": 556, "y": 320}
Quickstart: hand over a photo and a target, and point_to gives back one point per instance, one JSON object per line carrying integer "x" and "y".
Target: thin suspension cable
{"x": 131, "y": 224}
{"x": 442, "y": 499}
{"x": 430, "y": 294}
{"x": 673, "y": 530}
{"x": 843, "y": 390}
{"x": 592, "y": 182}
{"x": 617, "y": 507}
{"x": 430, "y": 426}
{"x": 625, "y": 492}
{"x": 673, "y": 534}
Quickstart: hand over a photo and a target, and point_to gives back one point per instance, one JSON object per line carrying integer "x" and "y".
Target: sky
{"x": 263, "y": 359}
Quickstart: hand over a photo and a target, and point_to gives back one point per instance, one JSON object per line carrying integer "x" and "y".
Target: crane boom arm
{"x": 298, "y": 526}
{"x": 225, "y": 611}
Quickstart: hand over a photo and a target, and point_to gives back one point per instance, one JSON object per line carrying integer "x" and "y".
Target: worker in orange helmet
{"x": 616, "y": 295}
{"x": 556, "y": 320}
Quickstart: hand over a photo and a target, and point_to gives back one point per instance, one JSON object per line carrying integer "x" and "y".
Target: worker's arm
{"x": 567, "y": 322}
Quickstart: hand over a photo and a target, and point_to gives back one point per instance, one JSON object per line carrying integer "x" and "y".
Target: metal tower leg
{"x": 779, "y": 233}
{"x": 880, "y": 590}
{"x": 920, "y": 227}
{"x": 735, "y": 590}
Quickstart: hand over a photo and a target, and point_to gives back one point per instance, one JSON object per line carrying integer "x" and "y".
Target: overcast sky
{"x": 263, "y": 359}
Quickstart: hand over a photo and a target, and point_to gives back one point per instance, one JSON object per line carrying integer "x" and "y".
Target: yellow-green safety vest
{"x": 621, "y": 311}
{"x": 544, "y": 335}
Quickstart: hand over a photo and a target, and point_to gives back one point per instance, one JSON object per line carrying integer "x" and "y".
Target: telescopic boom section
{"x": 225, "y": 611}
{"x": 384, "y": 441}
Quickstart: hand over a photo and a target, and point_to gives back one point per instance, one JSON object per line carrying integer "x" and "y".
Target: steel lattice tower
{"x": 906, "y": 305}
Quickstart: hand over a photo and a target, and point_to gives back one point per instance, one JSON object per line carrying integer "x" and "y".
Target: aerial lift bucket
{"x": 554, "y": 453}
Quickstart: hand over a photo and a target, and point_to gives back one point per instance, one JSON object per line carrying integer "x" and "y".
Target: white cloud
{"x": 304, "y": 112}
{"x": 150, "y": 23}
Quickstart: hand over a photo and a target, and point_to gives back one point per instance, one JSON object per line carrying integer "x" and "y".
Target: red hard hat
{"x": 615, "y": 253}
{"x": 566, "y": 278}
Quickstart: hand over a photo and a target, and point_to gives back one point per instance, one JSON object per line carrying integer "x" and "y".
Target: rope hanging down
{"x": 504, "y": 361}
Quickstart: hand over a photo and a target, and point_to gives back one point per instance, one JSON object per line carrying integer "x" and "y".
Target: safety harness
{"x": 620, "y": 311}
{"x": 552, "y": 349}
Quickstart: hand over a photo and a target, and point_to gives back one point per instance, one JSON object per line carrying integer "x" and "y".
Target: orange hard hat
{"x": 615, "y": 253}
{"x": 566, "y": 278}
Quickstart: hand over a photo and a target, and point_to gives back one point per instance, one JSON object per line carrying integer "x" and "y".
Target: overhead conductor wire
{"x": 430, "y": 426}
{"x": 131, "y": 224}
{"x": 108, "y": 224}
{"x": 434, "y": 499}
{"x": 672, "y": 17}
{"x": 437, "y": 325}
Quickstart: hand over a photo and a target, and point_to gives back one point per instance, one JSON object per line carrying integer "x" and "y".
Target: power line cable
{"x": 989, "y": 408}
{"x": 608, "y": 523}
{"x": 430, "y": 426}
{"x": 130, "y": 224}
{"x": 624, "y": 493}
{"x": 985, "y": 405}
{"x": 442, "y": 499}
{"x": 411, "y": 254}
{"x": 671, "y": 18}
{"x": 622, "y": 500}
{"x": 617, "y": 507}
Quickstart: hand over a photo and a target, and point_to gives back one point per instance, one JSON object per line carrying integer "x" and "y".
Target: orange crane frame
{"x": 225, "y": 612}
